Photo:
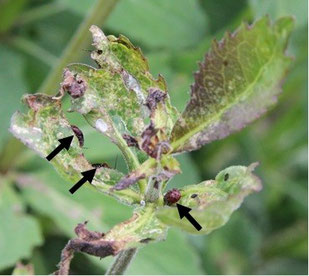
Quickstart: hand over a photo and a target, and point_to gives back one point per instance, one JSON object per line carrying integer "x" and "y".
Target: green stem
{"x": 73, "y": 52}
{"x": 122, "y": 262}
{"x": 131, "y": 160}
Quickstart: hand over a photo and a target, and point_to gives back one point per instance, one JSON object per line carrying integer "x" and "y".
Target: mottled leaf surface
{"x": 115, "y": 96}
{"x": 42, "y": 126}
{"x": 237, "y": 82}
{"x": 213, "y": 201}
{"x": 143, "y": 227}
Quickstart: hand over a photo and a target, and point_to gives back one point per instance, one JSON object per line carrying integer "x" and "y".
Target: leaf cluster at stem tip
{"x": 238, "y": 81}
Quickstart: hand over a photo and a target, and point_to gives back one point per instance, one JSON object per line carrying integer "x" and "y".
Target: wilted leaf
{"x": 143, "y": 227}
{"x": 237, "y": 82}
{"x": 40, "y": 130}
{"x": 213, "y": 201}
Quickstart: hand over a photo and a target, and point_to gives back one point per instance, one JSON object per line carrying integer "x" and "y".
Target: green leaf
{"x": 19, "y": 233}
{"x": 154, "y": 22}
{"x": 13, "y": 85}
{"x": 237, "y": 82}
{"x": 9, "y": 11}
{"x": 64, "y": 211}
{"x": 213, "y": 201}
{"x": 40, "y": 130}
{"x": 182, "y": 259}
{"x": 279, "y": 8}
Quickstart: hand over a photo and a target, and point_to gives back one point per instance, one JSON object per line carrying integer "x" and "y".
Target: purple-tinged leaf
{"x": 237, "y": 82}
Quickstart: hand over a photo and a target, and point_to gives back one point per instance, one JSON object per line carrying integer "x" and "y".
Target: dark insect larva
{"x": 78, "y": 133}
{"x": 172, "y": 196}
{"x": 100, "y": 165}
{"x": 226, "y": 177}
{"x": 193, "y": 195}
{"x": 146, "y": 240}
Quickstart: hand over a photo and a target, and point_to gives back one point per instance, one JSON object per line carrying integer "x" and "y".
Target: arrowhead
{"x": 183, "y": 210}
{"x": 88, "y": 175}
{"x": 66, "y": 142}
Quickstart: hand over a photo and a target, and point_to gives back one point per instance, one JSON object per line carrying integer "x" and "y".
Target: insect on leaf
{"x": 212, "y": 202}
{"x": 42, "y": 126}
{"x": 237, "y": 82}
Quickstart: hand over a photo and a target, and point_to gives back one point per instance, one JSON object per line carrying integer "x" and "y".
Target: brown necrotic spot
{"x": 74, "y": 84}
{"x": 149, "y": 140}
{"x": 151, "y": 144}
{"x": 154, "y": 97}
{"x": 85, "y": 234}
{"x": 130, "y": 140}
{"x": 78, "y": 133}
{"x": 99, "y": 248}
{"x": 172, "y": 196}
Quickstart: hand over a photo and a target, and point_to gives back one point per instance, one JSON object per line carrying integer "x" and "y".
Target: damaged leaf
{"x": 237, "y": 82}
{"x": 139, "y": 230}
{"x": 142, "y": 228}
{"x": 121, "y": 96}
{"x": 42, "y": 126}
{"x": 213, "y": 201}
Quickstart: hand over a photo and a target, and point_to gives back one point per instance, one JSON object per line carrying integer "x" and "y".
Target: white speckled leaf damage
{"x": 236, "y": 83}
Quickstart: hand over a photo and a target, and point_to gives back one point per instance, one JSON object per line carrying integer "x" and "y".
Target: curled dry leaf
{"x": 139, "y": 230}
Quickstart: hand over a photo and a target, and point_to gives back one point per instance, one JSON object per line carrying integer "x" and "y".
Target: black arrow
{"x": 184, "y": 212}
{"x": 87, "y": 176}
{"x": 65, "y": 143}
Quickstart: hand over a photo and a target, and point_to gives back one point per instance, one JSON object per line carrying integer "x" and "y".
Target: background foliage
{"x": 268, "y": 235}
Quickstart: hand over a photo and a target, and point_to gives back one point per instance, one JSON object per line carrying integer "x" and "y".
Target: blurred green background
{"x": 267, "y": 235}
